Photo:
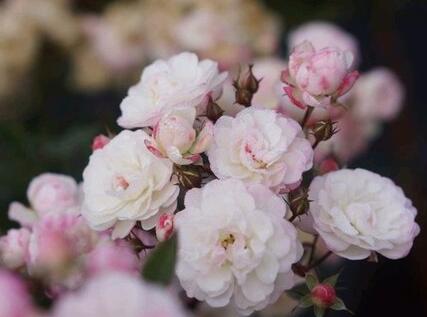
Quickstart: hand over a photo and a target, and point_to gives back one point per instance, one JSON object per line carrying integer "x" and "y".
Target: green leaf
{"x": 298, "y": 291}
{"x": 311, "y": 281}
{"x": 318, "y": 311}
{"x": 332, "y": 280}
{"x": 305, "y": 301}
{"x": 339, "y": 305}
{"x": 160, "y": 266}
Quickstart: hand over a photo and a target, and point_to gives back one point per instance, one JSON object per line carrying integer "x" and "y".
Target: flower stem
{"x": 319, "y": 261}
{"x": 307, "y": 115}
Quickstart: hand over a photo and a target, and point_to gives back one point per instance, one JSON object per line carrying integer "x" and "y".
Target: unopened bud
{"x": 298, "y": 201}
{"x": 328, "y": 165}
{"x": 324, "y": 130}
{"x": 213, "y": 111}
{"x": 243, "y": 96}
{"x": 99, "y": 142}
{"x": 323, "y": 295}
{"x": 251, "y": 83}
{"x": 189, "y": 176}
{"x": 164, "y": 227}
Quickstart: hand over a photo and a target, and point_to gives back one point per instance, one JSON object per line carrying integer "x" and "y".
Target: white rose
{"x": 125, "y": 183}
{"x": 181, "y": 83}
{"x": 260, "y": 146}
{"x": 235, "y": 245}
{"x": 118, "y": 294}
{"x": 357, "y": 212}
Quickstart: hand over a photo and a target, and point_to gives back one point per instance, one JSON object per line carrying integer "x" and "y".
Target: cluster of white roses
{"x": 236, "y": 239}
{"x": 233, "y": 176}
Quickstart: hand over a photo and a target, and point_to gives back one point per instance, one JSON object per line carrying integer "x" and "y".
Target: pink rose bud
{"x": 328, "y": 165}
{"x": 323, "y": 295}
{"x": 175, "y": 132}
{"x": 164, "y": 226}
{"x": 52, "y": 193}
{"x": 14, "y": 248}
{"x": 99, "y": 142}
{"x": 317, "y": 78}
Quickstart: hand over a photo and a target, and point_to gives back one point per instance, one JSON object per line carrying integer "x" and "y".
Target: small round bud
{"x": 99, "y": 142}
{"x": 324, "y": 130}
{"x": 251, "y": 83}
{"x": 323, "y": 295}
{"x": 213, "y": 111}
{"x": 328, "y": 165}
{"x": 164, "y": 227}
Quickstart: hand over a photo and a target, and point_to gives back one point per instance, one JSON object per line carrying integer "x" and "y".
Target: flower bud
{"x": 324, "y": 130}
{"x": 189, "y": 176}
{"x": 99, "y": 142}
{"x": 213, "y": 111}
{"x": 165, "y": 227}
{"x": 328, "y": 165}
{"x": 175, "y": 131}
{"x": 323, "y": 295}
{"x": 298, "y": 201}
{"x": 251, "y": 83}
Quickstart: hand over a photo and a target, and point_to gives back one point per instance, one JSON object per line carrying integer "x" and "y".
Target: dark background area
{"x": 55, "y": 134}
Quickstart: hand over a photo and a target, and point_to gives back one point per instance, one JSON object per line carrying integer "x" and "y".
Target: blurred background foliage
{"x": 52, "y": 127}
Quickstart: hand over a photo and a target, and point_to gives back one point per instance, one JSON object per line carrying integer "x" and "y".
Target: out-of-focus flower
{"x": 19, "y": 41}
{"x": 260, "y": 146}
{"x": 176, "y": 138}
{"x": 99, "y": 142}
{"x": 317, "y": 78}
{"x": 165, "y": 227}
{"x": 377, "y": 95}
{"x": 110, "y": 256}
{"x": 352, "y": 139}
{"x": 323, "y": 34}
{"x": 15, "y": 300}
{"x": 56, "y": 243}
{"x": 181, "y": 83}
{"x": 14, "y": 248}
{"x": 112, "y": 47}
{"x": 50, "y": 192}
{"x": 268, "y": 70}
{"x": 357, "y": 212}
{"x": 235, "y": 245}
{"x": 52, "y": 18}
{"x": 125, "y": 183}
{"x": 118, "y": 294}
{"x": 237, "y": 30}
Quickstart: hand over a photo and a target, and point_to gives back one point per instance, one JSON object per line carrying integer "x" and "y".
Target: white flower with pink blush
{"x": 235, "y": 245}
{"x": 182, "y": 83}
{"x": 124, "y": 183}
{"x": 317, "y": 78}
{"x": 14, "y": 248}
{"x": 260, "y": 146}
{"x": 357, "y": 212}
{"x": 118, "y": 294}
{"x": 323, "y": 34}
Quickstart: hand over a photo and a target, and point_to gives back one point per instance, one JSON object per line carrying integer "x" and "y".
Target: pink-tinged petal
{"x": 289, "y": 91}
{"x": 153, "y": 149}
{"x": 304, "y": 47}
{"x": 204, "y": 138}
{"x": 99, "y": 142}
{"x": 311, "y": 101}
{"x": 285, "y": 76}
{"x": 349, "y": 58}
{"x": 347, "y": 83}
{"x": 21, "y": 214}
